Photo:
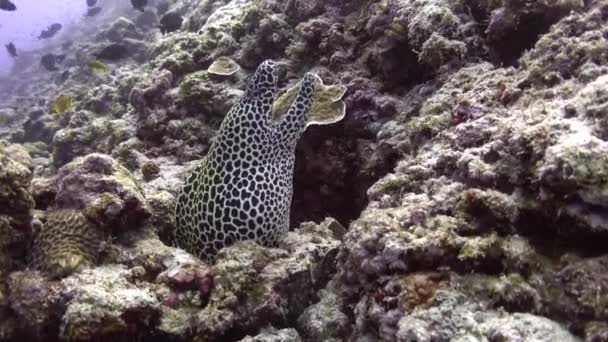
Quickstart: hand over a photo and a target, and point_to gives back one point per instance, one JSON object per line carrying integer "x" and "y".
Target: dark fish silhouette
{"x": 112, "y": 52}
{"x": 93, "y": 11}
{"x": 12, "y": 50}
{"x": 139, "y": 4}
{"x": 49, "y": 61}
{"x": 170, "y": 22}
{"x": 7, "y": 5}
{"x": 91, "y": 3}
{"x": 50, "y": 31}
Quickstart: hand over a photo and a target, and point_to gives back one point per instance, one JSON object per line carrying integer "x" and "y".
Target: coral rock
{"x": 194, "y": 278}
{"x": 105, "y": 304}
{"x": 16, "y": 201}
{"x": 33, "y": 299}
{"x": 104, "y": 190}
{"x": 150, "y": 170}
{"x": 274, "y": 335}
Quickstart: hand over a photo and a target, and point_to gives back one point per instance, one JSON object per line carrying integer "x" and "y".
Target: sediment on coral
{"x": 467, "y": 178}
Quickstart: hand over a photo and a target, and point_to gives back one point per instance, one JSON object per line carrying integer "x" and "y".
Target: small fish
{"x": 50, "y": 60}
{"x": 139, "y": 4}
{"x": 93, "y": 11}
{"x": 50, "y": 31}
{"x": 62, "y": 104}
{"x": 170, "y": 22}
{"x": 113, "y": 52}
{"x": 12, "y": 50}
{"x": 97, "y": 66}
{"x": 91, "y": 3}
{"x": 7, "y": 5}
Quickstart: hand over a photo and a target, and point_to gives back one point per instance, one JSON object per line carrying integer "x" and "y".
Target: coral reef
{"x": 494, "y": 174}
{"x": 257, "y": 286}
{"x": 463, "y": 195}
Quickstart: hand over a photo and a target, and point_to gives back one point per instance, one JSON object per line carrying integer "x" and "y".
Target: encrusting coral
{"x": 94, "y": 197}
{"x": 466, "y": 172}
{"x": 68, "y": 242}
{"x": 16, "y": 201}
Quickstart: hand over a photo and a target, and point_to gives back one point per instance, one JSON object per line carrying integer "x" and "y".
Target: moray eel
{"x": 242, "y": 189}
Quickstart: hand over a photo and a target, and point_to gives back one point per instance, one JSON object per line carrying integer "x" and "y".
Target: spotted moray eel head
{"x": 263, "y": 84}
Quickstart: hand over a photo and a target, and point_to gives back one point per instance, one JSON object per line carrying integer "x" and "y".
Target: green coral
{"x": 223, "y": 66}
{"x": 327, "y": 106}
{"x": 431, "y": 18}
{"x": 476, "y": 249}
{"x": 176, "y": 54}
{"x": 126, "y": 179}
{"x": 67, "y": 242}
{"x": 193, "y": 85}
{"x": 422, "y": 128}
{"x": 198, "y": 90}
{"x": 80, "y": 221}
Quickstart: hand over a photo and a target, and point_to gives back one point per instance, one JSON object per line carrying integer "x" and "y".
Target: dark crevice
{"x": 335, "y": 166}
{"x": 510, "y": 37}
{"x": 399, "y": 66}
{"x": 478, "y": 10}
{"x": 554, "y": 235}
{"x": 509, "y": 32}
{"x": 550, "y": 231}
{"x": 553, "y": 229}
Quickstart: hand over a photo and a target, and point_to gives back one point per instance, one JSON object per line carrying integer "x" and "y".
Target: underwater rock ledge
{"x": 464, "y": 195}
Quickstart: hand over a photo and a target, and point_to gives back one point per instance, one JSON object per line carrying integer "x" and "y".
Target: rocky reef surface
{"x": 464, "y": 196}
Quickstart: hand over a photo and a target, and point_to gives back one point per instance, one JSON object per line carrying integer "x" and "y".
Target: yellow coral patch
{"x": 327, "y": 106}
{"x": 223, "y": 66}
